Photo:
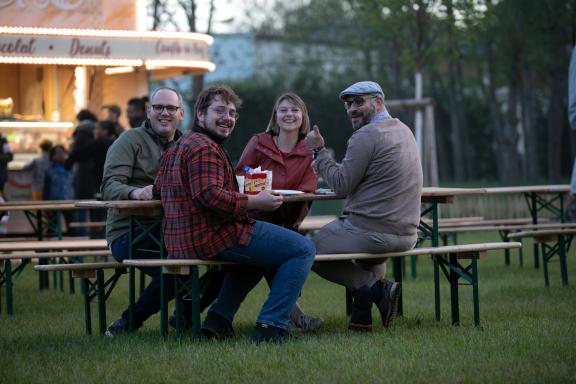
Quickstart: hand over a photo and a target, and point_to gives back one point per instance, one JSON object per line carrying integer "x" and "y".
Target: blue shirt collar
{"x": 381, "y": 116}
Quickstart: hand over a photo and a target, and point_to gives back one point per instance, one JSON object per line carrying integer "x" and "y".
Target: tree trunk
{"x": 556, "y": 116}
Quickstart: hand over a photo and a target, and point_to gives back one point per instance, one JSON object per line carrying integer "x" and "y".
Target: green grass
{"x": 528, "y": 334}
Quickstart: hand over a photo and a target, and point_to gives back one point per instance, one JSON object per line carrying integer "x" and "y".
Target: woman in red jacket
{"x": 281, "y": 150}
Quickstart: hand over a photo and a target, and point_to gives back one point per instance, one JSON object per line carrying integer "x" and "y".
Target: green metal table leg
{"x": 475, "y": 298}
{"x": 131, "y": 278}
{"x": 534, "y": 214}
{"x": 545, "y": 265}
{"x": 562, "y": 255}
{"x": 455, "y": 310}
{"x": 195, "y": 295}
{"x": 9, "y": 288}
{"x": 435, "y": 258}
{"x": 85, "y": 283}
{"x": 101, "y": 300}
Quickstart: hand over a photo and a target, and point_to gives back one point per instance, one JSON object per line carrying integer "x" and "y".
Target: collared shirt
{"x": 204, "y": 214}
{"x": 380, "y": 116}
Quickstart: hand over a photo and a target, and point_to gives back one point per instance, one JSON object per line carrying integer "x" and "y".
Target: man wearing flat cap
{"x": 381, "y": 178}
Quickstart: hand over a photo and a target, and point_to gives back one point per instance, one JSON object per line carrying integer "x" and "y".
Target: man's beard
{"x": 365, "y": 118}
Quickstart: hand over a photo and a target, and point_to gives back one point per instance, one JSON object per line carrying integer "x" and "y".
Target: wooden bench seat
{"x": 560, "y": 240}
{"x": 51, "y": 245}
{"x": 446, "y": 258}
{"x": 88, "y": 224}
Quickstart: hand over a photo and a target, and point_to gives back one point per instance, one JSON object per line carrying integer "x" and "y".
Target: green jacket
{"x": 132, "y": 162}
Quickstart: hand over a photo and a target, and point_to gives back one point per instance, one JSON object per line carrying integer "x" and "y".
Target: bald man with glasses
{"x": 381, "y": 178}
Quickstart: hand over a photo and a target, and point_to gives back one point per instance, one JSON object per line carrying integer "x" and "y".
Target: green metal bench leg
{"x": 87, "y": 315}
{"x": 455, "y": 310}
{"x": 475, "y": 298}
{"x": 131, "y": 299}
{"x": 436, "y": 287}
{"x": 195, "y": 295}
{"x": 413, "y": 262}
{"x": 101, "y": 300}
{"x": 562, "y": 255}
{"x": 142, "y": 281}
{"x": 71, "y": 286}
{"x": 348, "y": 302}
{"x": 521, "y": 256}
{"x": 398, "y": 273}
{"x": 61, "y": 281}
{"x": 9, "y": 288}
{"x": 178, "y": 304}
{"x": 163, "y": 306}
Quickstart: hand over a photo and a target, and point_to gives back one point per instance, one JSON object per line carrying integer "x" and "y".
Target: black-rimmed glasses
{"x": 159, "y": 108}
{"x": 356, "y": 101}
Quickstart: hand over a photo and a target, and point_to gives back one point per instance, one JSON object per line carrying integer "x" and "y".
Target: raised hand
{"x": 314, "y": 139}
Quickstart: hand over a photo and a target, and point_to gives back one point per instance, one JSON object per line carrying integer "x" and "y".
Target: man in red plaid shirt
{"x": 205, "y": 217}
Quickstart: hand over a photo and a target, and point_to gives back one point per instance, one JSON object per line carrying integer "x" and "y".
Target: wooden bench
{"x": 88, "y": 224}
{"x": 97, "y": 290}
{"x": 560, "y": 238}
{"x": 42, "y": 250}
{"x": 503, "y": 230}
{"x": 446, "y": 258}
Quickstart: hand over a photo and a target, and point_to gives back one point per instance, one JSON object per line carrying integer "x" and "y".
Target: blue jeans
{"x": 271, "y": 247}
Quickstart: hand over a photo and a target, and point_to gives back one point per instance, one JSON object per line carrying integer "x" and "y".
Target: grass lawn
{"x": 528, "y": 334}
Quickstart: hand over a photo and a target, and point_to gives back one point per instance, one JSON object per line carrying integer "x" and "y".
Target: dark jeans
{"x": 149, "y": 301}
{"x": 271, "y": 248}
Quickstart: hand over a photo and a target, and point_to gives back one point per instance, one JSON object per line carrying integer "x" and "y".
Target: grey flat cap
{"x": 363, "y": 88}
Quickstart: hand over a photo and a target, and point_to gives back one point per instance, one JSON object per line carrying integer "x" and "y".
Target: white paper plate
{"x": 287, "y": 192}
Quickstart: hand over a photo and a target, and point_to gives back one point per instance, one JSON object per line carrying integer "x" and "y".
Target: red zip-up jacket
{"x": 204, "y": 213}
{"x": 289, "y": 171}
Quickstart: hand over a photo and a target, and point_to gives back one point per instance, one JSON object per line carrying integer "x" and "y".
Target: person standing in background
{"x": 136, "y": 111}
{"x": 38, "y": 167}
{"x": 112, "y": 112}
{"x": 6, "y": 156}
{"x": 59, "y": 182}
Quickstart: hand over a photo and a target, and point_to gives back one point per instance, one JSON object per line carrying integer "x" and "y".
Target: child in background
{"x": 38, "y": 167}
{"x": 59, "y": 181}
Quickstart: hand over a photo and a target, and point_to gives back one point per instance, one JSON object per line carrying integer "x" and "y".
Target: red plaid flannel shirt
{"x": 204, "y": 213}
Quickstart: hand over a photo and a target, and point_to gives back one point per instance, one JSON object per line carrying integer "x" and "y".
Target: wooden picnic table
{"x": 538, "y": 198}
{"x": 430, "y": 195}
{"x": 33, "y": 210}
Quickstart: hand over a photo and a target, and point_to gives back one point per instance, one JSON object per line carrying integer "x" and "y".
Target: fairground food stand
{"x": 59, "y": 56}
